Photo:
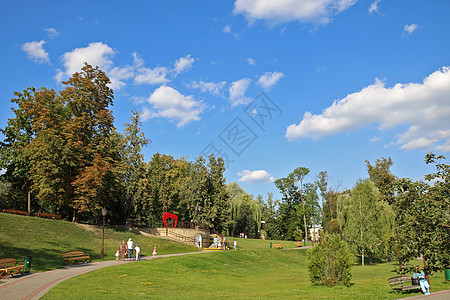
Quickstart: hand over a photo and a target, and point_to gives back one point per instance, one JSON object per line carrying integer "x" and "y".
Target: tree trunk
{"x": 362, "y": 257}
{"x": 75, "y": 216}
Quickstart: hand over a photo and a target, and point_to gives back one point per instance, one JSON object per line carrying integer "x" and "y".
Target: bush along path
{"x": 34, "y": 286}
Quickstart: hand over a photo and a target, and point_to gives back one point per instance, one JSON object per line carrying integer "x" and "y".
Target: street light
{"x": 104, "y": 211}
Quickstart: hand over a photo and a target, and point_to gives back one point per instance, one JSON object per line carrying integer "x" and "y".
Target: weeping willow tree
{"x": 245, "y": 212}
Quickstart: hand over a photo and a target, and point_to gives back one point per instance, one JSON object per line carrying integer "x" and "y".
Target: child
{"x": 138, "y": 252}
{"x": 154, "y": 252}
{"x": 117, "y": 255}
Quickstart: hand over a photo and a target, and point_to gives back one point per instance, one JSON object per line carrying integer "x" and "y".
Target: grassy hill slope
{"x": 44, "y": 240}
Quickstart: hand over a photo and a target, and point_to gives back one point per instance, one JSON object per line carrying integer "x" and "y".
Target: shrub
{"x": 329, "y": 263}
{"x": 333, "y": 226}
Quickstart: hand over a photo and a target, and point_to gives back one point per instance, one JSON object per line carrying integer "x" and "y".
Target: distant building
{"x": 314, "y": 233}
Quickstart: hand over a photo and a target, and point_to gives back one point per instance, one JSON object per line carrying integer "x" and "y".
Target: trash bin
{"x": 27, "y": 263}
{"x": 447, "y": 273}
{"x": 270, "y": 244}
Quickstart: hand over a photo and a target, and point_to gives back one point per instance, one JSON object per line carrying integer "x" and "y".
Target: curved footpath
{"x": 34, "y": 286}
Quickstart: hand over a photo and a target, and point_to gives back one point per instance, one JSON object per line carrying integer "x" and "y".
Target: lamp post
{"x": 104, "y": 211}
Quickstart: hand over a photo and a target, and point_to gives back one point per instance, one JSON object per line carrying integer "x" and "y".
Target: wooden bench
{"x": 277, "y": 246}
{"x": 10, "y": 267}
{"x": 298, "y": 244}
{"x": 75, "y": 256}
{"x": 402, "y": 283}
{"x": 16, "y": 211}
{"x": 49, "y": 216}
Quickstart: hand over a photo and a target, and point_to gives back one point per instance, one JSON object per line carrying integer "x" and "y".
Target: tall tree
{"x": 382, "y": 176}
{"x": 133, "y": 167}
{"x": 321, "y": 183}
{"x": 360, "y": 218}
{"x": 423, "y": 217}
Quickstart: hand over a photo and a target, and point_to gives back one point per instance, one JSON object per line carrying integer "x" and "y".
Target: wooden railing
{"x": 180, "y": 237}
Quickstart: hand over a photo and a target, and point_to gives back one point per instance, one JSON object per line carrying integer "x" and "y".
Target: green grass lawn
{"x": 44, "y": 240}
{"x": 254, "y": 271}
{"x": 242, "y": 274}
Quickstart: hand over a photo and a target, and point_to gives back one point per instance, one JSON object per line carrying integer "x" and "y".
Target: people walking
{"x": 154, "y": 252}
{"x": 138, "y": 252}
{"x": 123, "y": 250}
{"x": 130, "y": 249}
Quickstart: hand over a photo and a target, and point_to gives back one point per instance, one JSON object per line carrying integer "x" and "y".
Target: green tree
{"x": 330, "y": 262}
{"x": 322, "y": 182}
{"x": 291, "y": 188}
{"x": 269, "y": 215}
{"x": 360, "y": 218}
{"x": 422, "y": 216}
{"x": 133, "y": 165}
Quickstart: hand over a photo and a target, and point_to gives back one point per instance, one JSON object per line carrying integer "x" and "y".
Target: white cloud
{"x": 170, "y": 104}
{"x": 251, "y": 61}
{"x": 237, "y": 92}
{"x": 117, "y": 75}
{"x": 35, "y": 51}
{"x": 209, "y": 87}
{"x": 258, "y": 176}
{"x": 52, "y": 32}
{"x": 410, "y": 28}
{"x": 151, "y": 76}
{"x": 183, "y": 64}
{"x": 269, "y": 79}
{"x": 304, "y": 11}
{"x": 424, "y": 107}
{"x": 374, "y": 7}
{"x": 95, "y": 54}
{"x": 226, "y": 29}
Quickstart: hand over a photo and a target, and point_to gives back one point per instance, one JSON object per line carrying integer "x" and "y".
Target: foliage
{"x": 333, "y": 226}
{"x": 360, "y": 217}
{"x": 269, "y": 215}
{"x": 293, "y": 207}
{"x": 422, "y": 215}
{"x": 245, "y": 212}
{"x": 330, "y": 262}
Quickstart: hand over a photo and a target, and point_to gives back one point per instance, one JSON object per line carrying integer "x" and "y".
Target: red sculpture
{"x": 168, "y": 215}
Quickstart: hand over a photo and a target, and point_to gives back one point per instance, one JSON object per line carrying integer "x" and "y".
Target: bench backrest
{"x": 16, "y": 211}
{"x": 400, "y": 280}
{"x": 72, "y": 254}
{"x": 5, "y": 262}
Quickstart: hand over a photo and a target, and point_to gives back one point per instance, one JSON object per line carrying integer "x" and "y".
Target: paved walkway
{"x": 441, "y": 295}
{"x": 34, "y": 286}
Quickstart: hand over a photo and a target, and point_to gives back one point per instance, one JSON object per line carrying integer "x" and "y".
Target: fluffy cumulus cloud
{"x": 258, "y": 176}
{"x": 156, "y": 75}
{"x": 409, "y": 29}
{"x": 35, "y": 51}
{"x": 304, "y": 11}
{"x": 213, "y": 88}
{"x": 100, "y": 54}
{"x": 237, "y": 92}
{"x": 251, "y": 61}
{"x": 183, "y": 64}
{"x": 423, "y": 107}
{"x": 269, "y": 79}
{"x": 166, "y": 102}
{"x": 95, "y": 54}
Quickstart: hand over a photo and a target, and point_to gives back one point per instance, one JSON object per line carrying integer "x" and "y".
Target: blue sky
{"x": 271, "y": 85}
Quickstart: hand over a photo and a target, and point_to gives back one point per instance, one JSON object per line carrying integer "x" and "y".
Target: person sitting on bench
{"x": 424, "y": 285}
